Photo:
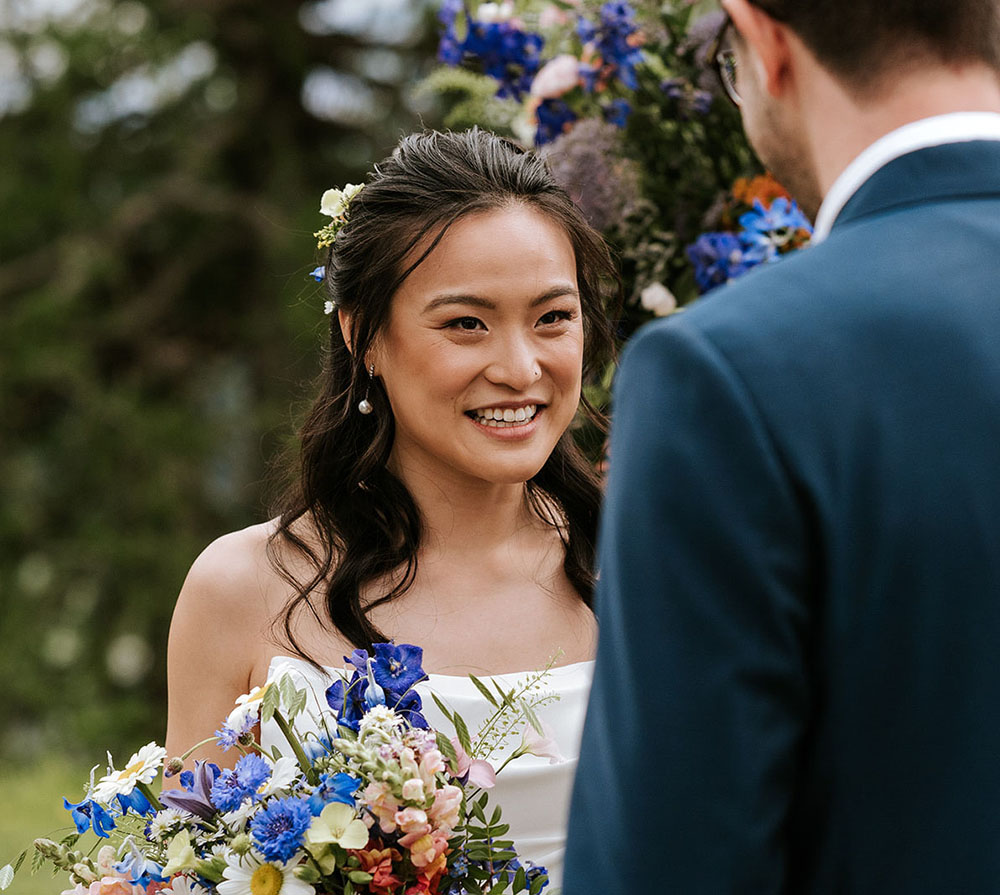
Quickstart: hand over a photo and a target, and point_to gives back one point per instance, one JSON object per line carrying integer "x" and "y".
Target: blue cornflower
{"x": 338, "y": 787}
{"x": 552, "y": 115}
{"x": 195, "y": 796}
{"x": 397, "y": 668}
{"x": 278, "y": 829}
{"x": 718, "y": 258}
{"x": 242, "y": 782}
{"x": 137, "y": 802}
{"x": 617, "y": 112}
{"x": 317, "y": 273}
{"x": 89, "y": 813}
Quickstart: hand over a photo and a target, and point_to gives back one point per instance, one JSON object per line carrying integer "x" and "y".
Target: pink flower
{"x": 542, "y": 746}
{"x": 383, "y": 804}
{"x": 552, "y": 15}
{"x": 444, "y": 812}
{"x": 556, "y": 77}
{"x": 410, "y": 820}
{"x": 431, "y": 764}
{"x": 425, "y": 848}
{"x": 480, "y": 773}
{"x": 111, "y": 885}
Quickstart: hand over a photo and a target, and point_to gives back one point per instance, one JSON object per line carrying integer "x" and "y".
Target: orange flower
{"x": 378, "y": 862}
{"x": 763, "y": 188}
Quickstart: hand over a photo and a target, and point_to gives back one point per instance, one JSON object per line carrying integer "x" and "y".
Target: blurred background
{"x": 161, "y": 165}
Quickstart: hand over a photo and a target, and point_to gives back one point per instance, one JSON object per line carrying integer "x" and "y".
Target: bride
{"x": 439, "y": 499}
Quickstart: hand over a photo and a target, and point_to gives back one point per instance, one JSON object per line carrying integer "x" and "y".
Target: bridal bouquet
{"x": 368, "y": 800}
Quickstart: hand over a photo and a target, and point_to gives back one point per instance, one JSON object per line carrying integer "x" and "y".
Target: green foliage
{"x": 161, "y": 183}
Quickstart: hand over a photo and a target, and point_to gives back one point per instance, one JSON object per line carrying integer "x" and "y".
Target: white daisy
{"x": 237, "y": 820}
{"x": 181, "y": 885}
{"x": 167, "y": 821}
{"x": 141, "y": 768}
{"x": 247, "y": 711}
{"x": 249, "y": 875}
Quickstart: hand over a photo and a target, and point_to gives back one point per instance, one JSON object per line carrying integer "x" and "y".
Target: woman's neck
{"x": 466, "y": 516}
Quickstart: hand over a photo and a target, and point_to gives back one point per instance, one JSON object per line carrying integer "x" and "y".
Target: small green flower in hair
{"x": 336, "y": 204}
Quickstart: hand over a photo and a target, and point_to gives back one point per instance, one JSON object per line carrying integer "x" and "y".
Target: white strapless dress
{"x": 533, "y": 793}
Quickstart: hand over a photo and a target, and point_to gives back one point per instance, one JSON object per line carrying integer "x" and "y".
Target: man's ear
{"x": 766, "y": 44}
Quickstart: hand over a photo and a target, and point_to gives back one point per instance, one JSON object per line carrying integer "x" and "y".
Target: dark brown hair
{"x": 364, "y": 525}
{"x": 864, "y": 40}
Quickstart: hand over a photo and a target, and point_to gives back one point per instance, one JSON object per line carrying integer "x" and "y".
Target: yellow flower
{"x": 337, "y": 823}
{"x": 180, "y": 854}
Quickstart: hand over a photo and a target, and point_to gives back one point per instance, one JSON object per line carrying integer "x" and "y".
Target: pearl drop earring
{"x": 365, "y": 406}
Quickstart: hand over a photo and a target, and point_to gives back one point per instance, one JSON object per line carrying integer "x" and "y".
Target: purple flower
{"x": 196, "y": 793}
{"x": 89, "y": 813}
{"x": 347, "y": 699}
{"x": 278, "y": 829}
{"x": 552, "y": 115}
{"x": 231, "y": 787}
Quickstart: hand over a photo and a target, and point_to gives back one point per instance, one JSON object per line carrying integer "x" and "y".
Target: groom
{"x": 798, "y": 682}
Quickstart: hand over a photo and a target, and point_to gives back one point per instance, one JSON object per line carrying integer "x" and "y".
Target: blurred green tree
{"x": 162, "y": 167}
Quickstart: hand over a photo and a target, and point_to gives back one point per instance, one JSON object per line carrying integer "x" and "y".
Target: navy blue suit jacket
{"x": 798, "y": 681}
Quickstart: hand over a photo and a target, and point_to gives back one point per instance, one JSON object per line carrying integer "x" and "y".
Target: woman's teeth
{"x": 499, "y": 418}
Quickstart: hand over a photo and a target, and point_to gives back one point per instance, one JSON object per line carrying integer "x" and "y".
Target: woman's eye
{"x": 466, "y": 323}
{"x": 555, "y": 317}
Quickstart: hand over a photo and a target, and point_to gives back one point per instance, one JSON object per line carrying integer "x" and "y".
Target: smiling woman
{"x": 440, "y": 498}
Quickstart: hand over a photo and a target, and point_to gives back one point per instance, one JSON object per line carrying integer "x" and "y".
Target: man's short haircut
{"x": 863, "y": 41}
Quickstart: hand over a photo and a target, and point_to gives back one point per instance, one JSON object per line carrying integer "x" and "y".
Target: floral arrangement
{"x": 369, "y": 800}
{"x": 622, "y": 99}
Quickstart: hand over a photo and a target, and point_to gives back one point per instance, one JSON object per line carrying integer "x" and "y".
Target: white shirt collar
{"x": 955, "y": 127}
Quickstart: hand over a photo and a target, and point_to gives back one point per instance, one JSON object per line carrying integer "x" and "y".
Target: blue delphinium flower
{"x": 347, "y": 699}
{"x": 195, "y": 795}
{"x": 138, "y": 869}
{"x": 617, "y": 112}
{"x": 338, "y": 787}
{"x": 397, "y": 668}
{"x": 317, "y": 273}
{"x": 278, "y": 829}
{"x": 552, "y": 115}
{"x": 242, "y": 782}
{"x": 507, "y": 53}
{"x": 718, "y": 258}
{"x": 137, "y": 802}
{"x": 611, "y": 39}
{"x": 770, "y": 228}
{"x": 87, "y": 814}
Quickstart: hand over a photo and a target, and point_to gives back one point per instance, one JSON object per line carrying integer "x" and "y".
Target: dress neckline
{"x": 586, "y": 664}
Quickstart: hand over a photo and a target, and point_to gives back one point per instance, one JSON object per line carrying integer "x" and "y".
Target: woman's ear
{"x": 346, "y": 328}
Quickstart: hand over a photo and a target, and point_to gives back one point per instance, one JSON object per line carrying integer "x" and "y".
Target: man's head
{"x": 802, "y": 65}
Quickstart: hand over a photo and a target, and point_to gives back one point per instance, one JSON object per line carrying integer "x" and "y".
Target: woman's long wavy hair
{"x": 345, "y": 513}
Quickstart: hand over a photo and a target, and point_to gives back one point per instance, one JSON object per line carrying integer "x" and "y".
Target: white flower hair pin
{"x": 336, "y": 204}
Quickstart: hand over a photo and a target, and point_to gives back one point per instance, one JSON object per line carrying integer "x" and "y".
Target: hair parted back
{"x": 863, "y": 40}
{"x": 346, "y": 514}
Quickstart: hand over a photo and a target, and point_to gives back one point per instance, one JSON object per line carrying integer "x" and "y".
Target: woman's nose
{"x": 516, "y": 364}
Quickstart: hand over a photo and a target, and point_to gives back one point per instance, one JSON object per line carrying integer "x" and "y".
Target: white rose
{"x": 334, "y": 202}
{"x": 556, "y": 77}
{"x": 658, "y": 299}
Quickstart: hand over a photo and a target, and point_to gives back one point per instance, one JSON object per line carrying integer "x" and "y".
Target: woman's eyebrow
{"x": 477, "y": 301}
